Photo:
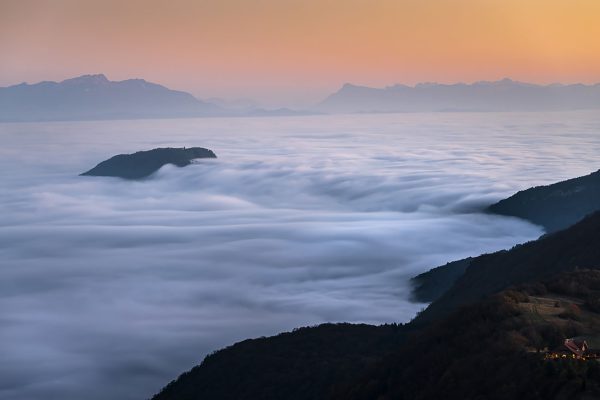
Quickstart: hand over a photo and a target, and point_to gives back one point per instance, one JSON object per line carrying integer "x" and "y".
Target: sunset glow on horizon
{"x": 296, "y": 52}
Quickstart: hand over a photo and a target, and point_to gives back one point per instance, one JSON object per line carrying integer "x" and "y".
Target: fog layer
{"x": 110, "y": 288}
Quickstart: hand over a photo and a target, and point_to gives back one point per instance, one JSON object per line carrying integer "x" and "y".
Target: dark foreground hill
{"x": 555, "y": 206}
{"x": 308, "y": 363}
{"x": 484, "y": 348}
{"x": 496, "y": 349}
{"x": 144, "y": 163}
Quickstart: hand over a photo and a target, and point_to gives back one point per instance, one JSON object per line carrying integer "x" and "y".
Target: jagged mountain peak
{"x": 90, "y": 79}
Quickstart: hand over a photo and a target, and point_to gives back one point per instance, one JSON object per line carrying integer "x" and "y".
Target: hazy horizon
{"x": 313, "y": 100}
{"x": 295, "y": 53}
{"x": 258, "y": 103}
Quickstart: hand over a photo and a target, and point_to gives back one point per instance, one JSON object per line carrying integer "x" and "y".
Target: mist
{"x": 111, "y": 288}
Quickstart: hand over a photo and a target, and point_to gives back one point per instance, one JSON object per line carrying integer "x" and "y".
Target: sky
{"x": 295, "y": 52}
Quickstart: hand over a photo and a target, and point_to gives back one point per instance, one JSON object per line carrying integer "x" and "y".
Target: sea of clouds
{"x": 111, "y": 288}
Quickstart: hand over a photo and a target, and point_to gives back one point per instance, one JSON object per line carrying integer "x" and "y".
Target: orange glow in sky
{"x": 297, "y": 51}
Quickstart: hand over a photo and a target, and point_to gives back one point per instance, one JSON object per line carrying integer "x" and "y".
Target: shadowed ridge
{"x": 304, "y": 364}
{"x": 563, "y": 251}
{"x": 555, "y": 206}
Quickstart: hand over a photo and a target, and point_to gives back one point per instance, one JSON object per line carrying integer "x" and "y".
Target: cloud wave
{"x": 110, "y": 288}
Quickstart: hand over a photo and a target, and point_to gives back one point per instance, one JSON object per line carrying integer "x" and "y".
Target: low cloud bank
{"x": 110, "y": 288}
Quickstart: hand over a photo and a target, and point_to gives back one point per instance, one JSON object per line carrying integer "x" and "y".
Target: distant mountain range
{"x": 504, "y": 95}
{"x": 94, "y": 97}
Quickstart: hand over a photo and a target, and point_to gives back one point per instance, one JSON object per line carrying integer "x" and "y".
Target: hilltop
{"x": 144, "y": 163}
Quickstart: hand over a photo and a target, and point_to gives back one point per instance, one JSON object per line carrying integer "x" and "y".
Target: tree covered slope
{"x": 495, "y": 349}
{"x": 555, "y": 206}
{"x": 575, "y": 247}
{"x": 308, "y": 363}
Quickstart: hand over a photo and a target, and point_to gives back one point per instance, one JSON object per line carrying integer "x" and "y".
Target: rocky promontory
{"x": 144, "y": 163}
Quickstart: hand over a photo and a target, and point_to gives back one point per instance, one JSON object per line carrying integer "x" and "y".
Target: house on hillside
{"x": 577, "y": 346}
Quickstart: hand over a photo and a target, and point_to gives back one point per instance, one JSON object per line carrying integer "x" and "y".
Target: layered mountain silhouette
{"x": 94, "y": 97}
{"x": 144, "y": 163}
{"x": 504, "y": 95}
{"x": 306, "y": 364}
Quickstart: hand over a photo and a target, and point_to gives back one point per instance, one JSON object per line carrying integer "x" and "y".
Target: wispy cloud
{"x": 110, "y": 288}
